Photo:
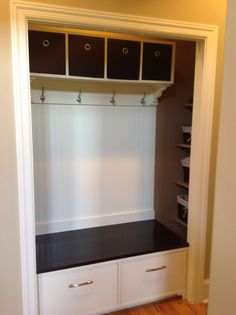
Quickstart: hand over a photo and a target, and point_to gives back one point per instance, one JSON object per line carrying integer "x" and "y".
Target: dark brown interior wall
{"x": 171, "y": 116}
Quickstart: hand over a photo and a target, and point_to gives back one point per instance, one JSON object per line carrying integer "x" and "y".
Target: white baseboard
{"x": 93, "y": 221}
{"x": 206, "y": 284}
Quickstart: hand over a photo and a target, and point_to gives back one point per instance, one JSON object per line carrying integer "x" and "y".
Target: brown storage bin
{"x": 86, "y": 56}
{"x": 157, "y": 61}
{"x": 123, "y": 59}
{"x": 47, "y": 52}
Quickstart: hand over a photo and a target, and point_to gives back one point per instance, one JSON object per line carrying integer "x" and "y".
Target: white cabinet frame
{"x": 206, "y": 49}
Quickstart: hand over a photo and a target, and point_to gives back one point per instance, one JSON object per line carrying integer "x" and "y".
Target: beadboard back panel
{"x": 93, "y": 165}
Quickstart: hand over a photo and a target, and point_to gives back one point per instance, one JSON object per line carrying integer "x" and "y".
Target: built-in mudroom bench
{"x": 96, "y": 270}
{"x": 94, "y": 98}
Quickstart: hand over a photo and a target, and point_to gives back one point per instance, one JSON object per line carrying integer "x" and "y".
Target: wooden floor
{"x": 176, "y": 307}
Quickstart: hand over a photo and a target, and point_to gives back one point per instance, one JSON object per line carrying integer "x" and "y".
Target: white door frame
{"x": 206, "y": 38}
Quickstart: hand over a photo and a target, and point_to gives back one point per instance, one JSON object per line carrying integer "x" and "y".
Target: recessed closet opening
{"x": 111, "y": 161}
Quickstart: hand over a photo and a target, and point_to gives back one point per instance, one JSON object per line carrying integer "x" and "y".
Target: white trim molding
{"x": 93, "y": 221}
{"x": 206, "y": 41}
{"x": 206, "y": 284}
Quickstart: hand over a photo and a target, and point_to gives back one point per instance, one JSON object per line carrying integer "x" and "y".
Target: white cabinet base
{"x": 152, "y": 277}
{"x": 79, "y": 291}
{"x": 110, "y": 286}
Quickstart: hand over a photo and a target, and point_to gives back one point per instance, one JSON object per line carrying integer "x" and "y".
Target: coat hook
{"x": 112, "y": 100}
{"x": 143, "y": 101}
{"x": 42, "y": 96}
{"x": 78, "y": 98}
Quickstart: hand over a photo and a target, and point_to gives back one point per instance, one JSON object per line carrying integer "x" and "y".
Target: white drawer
{"x": 96, "y": 290}
{"x": 148, "y": 277}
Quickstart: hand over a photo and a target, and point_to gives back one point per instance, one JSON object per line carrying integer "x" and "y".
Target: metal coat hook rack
{"x": 112, "y": 101}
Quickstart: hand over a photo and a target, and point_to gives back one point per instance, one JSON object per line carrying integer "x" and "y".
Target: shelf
{"x": 182, "y": 200}
{"x": 189, "y": 106}
{"x": 180, "y": 222}
{"x": 146, "y": 83}
{"x": 182, "y": 184}
{"x": 184, "y": 146}
{"x": 105, "y": 61}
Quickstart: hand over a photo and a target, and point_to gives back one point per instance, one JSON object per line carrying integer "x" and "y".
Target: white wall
{"x": 223, "y": 266}
{"x": 10, "y": 278}
{"x": 94, "y": 165}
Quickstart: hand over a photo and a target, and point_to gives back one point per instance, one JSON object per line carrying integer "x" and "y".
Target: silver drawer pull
{"x": 76, "y": 285}
{"x": 156, "y": 269}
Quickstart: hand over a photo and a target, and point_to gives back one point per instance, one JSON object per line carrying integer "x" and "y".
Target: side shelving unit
{"x": 182, "y": 199}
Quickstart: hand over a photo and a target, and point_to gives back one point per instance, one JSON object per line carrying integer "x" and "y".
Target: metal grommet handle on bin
{"x": 46, "y": 43}
{"x": 125, "y": 50}
{"x": 87, "y": 47}
{"x": 157, "y": 53}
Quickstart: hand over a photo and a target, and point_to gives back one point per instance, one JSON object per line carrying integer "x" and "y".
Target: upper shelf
{"x": 64, "y": 54}
{"x": 105, "y": 81}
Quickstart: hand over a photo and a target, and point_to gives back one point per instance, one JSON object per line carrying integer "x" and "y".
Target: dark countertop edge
{"x": 91, "y": 262}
